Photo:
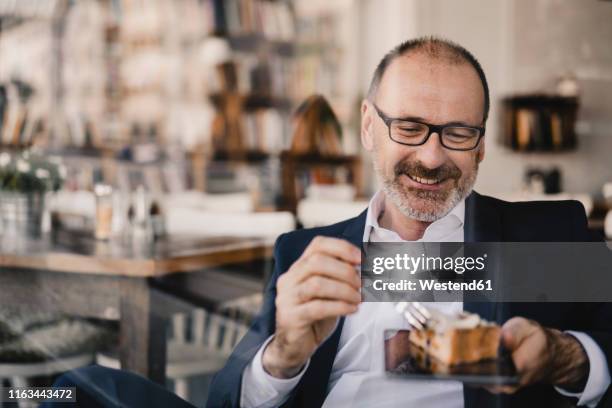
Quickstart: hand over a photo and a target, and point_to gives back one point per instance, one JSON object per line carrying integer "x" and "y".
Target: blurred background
{"x": 160, "y": 146}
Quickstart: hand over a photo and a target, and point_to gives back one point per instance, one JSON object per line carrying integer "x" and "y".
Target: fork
{"x": 417, "y": 315}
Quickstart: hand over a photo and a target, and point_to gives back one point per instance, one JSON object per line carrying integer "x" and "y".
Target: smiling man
{"x": 420, "y": 89}
{"x": 315, "y": 344}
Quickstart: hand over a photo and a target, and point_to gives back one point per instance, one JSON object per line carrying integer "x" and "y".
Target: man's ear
{"x": 367, "y": 126}
{"x": 481, "y": 151}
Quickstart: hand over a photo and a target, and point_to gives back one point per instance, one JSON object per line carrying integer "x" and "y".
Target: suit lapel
{"x": 354, "y": 230}
{"x": 315, "y": 381}
{"x": 482, "y": 220}
{"x": 482, "y": 224}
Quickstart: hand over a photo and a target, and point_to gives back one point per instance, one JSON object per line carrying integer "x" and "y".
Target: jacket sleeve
{"x": 225, "y": 387}
{"x": 600, "y": 329}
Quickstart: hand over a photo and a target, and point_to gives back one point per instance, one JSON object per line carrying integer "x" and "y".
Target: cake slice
{"x": 458, "y": 339}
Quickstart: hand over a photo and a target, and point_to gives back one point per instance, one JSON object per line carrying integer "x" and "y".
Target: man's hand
{"x": 543, "y": 355}
{"x": 318, "y": 288}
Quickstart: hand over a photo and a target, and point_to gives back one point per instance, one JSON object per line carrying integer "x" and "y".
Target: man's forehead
{"x": 418, "y": 65}
{"x": 417, "y": 85}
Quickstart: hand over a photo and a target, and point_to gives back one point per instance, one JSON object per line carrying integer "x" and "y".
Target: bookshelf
{"x": 217, "y": 80}
{"x": 539, "y": 123}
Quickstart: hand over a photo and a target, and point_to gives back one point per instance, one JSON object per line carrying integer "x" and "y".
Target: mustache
{"x": 416, "y": 169}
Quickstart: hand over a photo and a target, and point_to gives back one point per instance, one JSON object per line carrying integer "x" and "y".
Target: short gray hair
{"x": 436, "y": 48}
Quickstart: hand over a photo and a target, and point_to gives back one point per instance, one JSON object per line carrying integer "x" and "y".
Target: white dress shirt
{"x": 357, "y": 378}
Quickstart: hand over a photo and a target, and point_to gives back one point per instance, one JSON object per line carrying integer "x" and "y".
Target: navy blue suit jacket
{"x": 487, "y": 220}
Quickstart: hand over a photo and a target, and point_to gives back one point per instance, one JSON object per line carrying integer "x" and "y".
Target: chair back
{"x": 217, "y": 332}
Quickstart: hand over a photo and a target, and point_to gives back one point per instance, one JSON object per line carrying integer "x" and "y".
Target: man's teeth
{"x": 423, "y": 180}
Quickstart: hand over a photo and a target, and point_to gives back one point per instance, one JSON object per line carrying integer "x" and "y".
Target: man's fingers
{"x": 527, "y": 342}
{"x": 515, "y": 331}
{"x": 332, "y": 257}
{"x": 320, "y": 287}
{"x": 525, "y": 360}
{"x": 328, "y": 266}
{"x": 334, "y": 247}
{"x": 322, "y": 309}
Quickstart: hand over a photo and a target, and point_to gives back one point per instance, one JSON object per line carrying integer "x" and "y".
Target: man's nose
{"x": 432, "y": 154}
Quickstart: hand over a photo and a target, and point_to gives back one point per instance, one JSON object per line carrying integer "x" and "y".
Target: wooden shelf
{"x": 14, "y": 147}
{"x": 88, "y": 152}
{"x": 252, "y": 42}
{"x": 253, "y": 101}
{"x": 67, "y": 151}
{"x": 258, "y": 101}
{"x": 316, "y": 159}
{"x": 249, "y": 156}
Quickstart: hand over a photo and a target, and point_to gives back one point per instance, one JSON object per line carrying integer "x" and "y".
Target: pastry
{"x": 458, "y": 339}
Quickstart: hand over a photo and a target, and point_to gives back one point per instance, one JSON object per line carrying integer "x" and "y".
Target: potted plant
{"x": 25, "y": 178}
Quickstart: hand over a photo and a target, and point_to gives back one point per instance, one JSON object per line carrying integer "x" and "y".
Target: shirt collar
{"x": 453, "y": 220}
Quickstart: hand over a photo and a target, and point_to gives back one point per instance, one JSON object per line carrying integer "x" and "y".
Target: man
{"x": 314, "y": 343}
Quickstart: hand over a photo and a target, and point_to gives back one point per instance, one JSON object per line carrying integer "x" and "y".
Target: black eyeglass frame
{"x": 439, "y": 129}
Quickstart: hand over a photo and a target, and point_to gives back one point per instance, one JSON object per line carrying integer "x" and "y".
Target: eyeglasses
{"x": 414, "y": 133}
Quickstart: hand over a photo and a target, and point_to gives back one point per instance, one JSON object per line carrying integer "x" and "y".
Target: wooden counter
{"x": 72, "y": 273}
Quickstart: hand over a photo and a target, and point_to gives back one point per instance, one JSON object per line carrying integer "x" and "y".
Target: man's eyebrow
{"x": 419, "y": 119}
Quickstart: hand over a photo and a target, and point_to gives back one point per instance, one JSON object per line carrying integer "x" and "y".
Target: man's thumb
{"x": 514, "y": 332}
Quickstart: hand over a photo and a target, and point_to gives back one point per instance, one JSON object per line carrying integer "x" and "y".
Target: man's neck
{"x": 407, "y": 228}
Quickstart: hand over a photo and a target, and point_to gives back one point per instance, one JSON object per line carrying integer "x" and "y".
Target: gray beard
{"x": 400, "y": 198}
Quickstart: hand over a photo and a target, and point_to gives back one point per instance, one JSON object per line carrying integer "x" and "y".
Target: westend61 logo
{"x": 412, "y": 264}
